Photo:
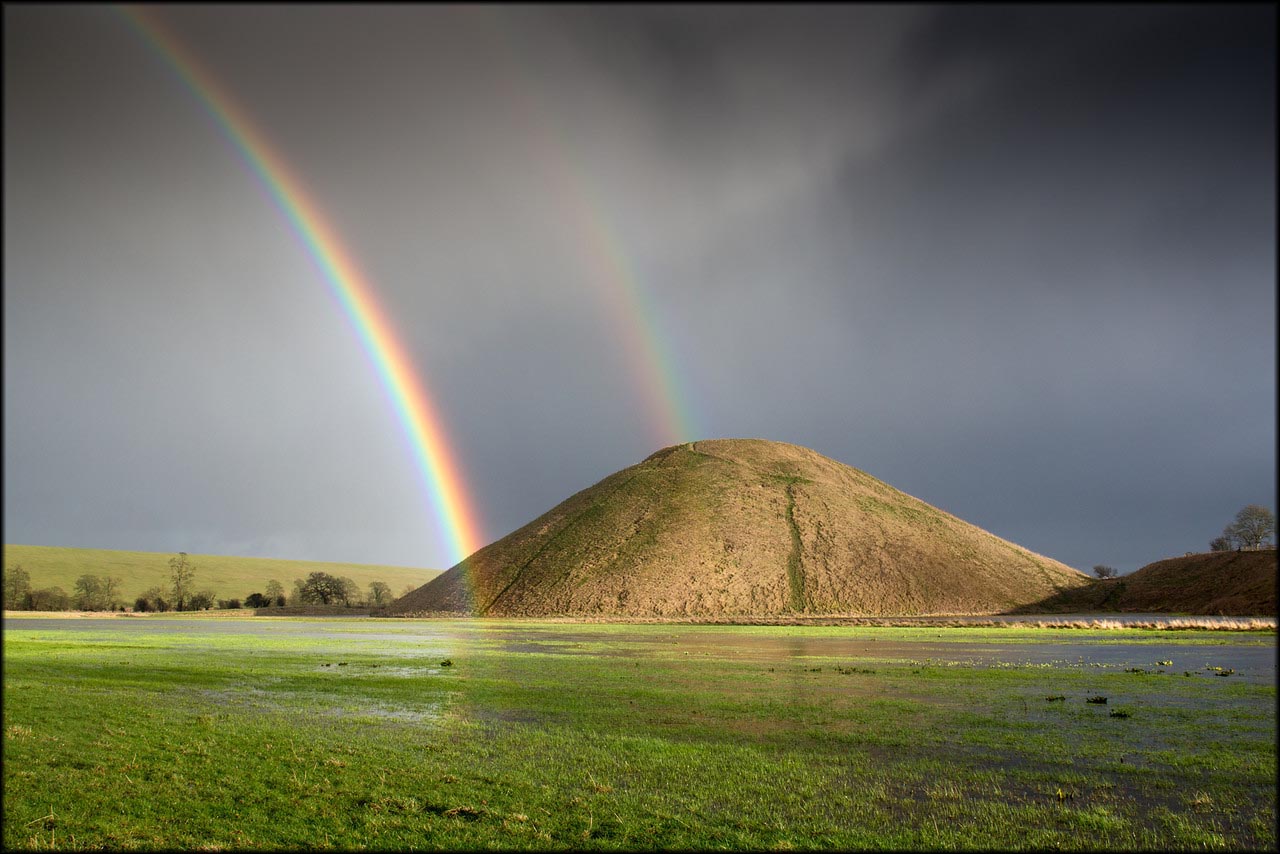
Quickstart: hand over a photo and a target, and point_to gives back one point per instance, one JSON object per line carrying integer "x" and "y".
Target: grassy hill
{"x": 1236, "y": 584}
{"x": 743, "y": 527}
{"x": 229, "y": 577}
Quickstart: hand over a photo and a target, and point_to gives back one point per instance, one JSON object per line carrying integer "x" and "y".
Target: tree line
{"x": 102, "y": 593}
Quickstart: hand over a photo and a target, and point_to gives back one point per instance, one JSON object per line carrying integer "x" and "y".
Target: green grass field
{"x": 229, "y": 577}
{"x": 330, "y": 733}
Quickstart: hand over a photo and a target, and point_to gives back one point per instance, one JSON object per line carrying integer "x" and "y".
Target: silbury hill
{"x": 1234, "y": 584}
{"x": 742, "y": 527}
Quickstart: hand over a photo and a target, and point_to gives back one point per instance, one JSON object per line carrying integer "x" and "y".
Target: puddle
{"x": 378, "y": 670}
{"x": 319, "y": 705}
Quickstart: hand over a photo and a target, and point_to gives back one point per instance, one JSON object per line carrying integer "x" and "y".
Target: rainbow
{"x": 601, "y": 250}
{"x": 456, "y": 517}
{"x": 636, "y": 320}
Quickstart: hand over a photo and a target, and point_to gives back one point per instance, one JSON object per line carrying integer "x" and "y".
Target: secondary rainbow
{"x": 636, "y": 319}
{"x": 455, "y": 515}
{"x": 599, "y": 247}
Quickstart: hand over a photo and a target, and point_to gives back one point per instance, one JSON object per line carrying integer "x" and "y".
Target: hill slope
{"x": 229, "y": 577}
{"x": 742, "y": 527}
{"x": 1236, "y": 584}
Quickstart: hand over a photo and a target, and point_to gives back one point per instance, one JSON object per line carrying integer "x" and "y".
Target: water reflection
{"x": 1250, "y": 657}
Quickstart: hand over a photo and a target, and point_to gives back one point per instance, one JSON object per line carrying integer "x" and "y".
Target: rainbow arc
{"x": 456, "y": 517}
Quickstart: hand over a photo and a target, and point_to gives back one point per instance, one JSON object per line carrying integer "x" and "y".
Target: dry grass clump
{"x": 1220, "y": 624}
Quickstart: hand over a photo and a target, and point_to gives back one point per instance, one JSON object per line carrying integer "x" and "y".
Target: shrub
{"x": 201, "y": 601}
{"x": 152, "y": 600}
{"x": 49, "y": 599}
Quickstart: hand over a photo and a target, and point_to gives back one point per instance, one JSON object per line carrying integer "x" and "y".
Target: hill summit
{"x": 742, "y": 527}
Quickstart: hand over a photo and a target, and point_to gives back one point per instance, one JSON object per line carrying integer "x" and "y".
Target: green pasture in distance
{"x": 228, "y": 577}
{"x": 559, "y": 735}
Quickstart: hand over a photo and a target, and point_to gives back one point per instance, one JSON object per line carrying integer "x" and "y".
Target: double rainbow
{"x": 455, "y": 516}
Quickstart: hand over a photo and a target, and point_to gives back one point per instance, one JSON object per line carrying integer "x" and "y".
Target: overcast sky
{"x": 1019, "y": 262}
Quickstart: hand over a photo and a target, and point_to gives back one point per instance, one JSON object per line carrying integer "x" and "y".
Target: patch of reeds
{"x": 1218, "y": 624}
{"x": 966, "y": 621}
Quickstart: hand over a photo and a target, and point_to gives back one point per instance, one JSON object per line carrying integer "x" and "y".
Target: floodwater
{"x": 1251, "y": 657}
{"x": 1251, "y": 661}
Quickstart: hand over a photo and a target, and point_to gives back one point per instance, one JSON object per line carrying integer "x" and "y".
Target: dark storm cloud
{"x": 1082, "y": 247}
{"x": 1059, "y": 270}
{"x": 1018, "y": 261}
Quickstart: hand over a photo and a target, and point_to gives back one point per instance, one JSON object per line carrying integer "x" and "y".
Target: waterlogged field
{"x": 456, "y": 734}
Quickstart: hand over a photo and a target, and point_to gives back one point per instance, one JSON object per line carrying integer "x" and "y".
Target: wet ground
{"x": 1249, "y": 657}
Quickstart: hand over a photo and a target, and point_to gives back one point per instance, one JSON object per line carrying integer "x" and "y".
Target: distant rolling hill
{"x": 1235, "y": 584}
{"x": 228, "y": 577}
{"x": 743, "y": 527}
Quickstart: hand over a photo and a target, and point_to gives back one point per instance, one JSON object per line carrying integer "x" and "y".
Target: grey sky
{"x": 1017, "y": 261}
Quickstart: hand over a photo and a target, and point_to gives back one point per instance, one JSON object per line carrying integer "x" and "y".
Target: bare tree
{"x": 1104, "y": 571}
{"x": 88, "y": 593}
{"x": 350, "y": 592}
{"x": 181, "y": 572}
{"x": 17, "y": 587}
{"x": 1222, "y": 544}
{"x": 275, "y": 593}
{"x": 379, "y": 593}
{"x": 1253, "y": 527}
{"x": 110, "y": 591}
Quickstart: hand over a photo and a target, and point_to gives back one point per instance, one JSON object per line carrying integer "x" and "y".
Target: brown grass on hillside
{"x": 739, "y": 527}
{"x": 1219, "y": 583}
